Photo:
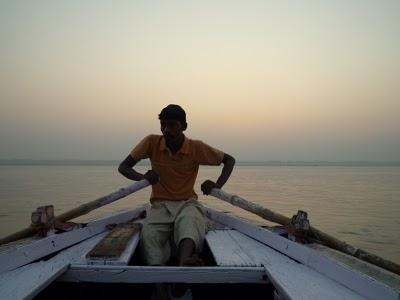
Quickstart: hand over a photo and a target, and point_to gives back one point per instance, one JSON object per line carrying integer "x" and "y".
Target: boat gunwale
{"x": 19, "y": 255}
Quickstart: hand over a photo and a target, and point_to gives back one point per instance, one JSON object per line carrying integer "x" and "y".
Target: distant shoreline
{"x": 25, "y": 162}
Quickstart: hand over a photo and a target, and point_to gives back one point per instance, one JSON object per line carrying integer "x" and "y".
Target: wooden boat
{"x": 242, "y": 260}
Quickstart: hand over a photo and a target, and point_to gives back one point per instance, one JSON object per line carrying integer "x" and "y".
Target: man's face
{"x": 172, "y": 130}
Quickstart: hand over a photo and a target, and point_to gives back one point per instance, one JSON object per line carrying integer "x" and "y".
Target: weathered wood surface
{"x": 293, "y": 280}
{"x": 228, "y": 251}
{"x": 80, "y": 210}
{"x": 27, "y": 281}
{"x": 14, "y": 257}
{"x": 115, "y": 242}
{"x": 117, "y": 247}
{"x": 320, "y": 235}
{"x": 212, "y": 225}
{"x": 390, "y": 279}
{"x": 135, "y": 274}
{"x": 361, "y": 284}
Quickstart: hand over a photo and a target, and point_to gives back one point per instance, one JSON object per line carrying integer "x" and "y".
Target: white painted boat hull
{"x": 244, "y": 253}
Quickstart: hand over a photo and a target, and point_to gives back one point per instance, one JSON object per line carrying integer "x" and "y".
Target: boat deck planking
{"x": 362, "y": 284}
{"x": 27, "y": 281}
{"x": 292, "y": 280}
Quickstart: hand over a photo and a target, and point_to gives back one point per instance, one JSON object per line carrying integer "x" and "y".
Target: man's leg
{"x": 156, "y": 233}
{"x": 186, "y": 250}
{"x": 156, "y": 252}
{"x": 189, "y": 232}
{"x": 155, "y": 244}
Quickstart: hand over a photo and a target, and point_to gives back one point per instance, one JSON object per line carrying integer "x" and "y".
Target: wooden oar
{"x": 327, "y": 239}
{"x": 80, "y": 210}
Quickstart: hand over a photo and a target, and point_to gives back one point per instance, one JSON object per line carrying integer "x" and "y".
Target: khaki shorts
{"x": 183, "y": 219}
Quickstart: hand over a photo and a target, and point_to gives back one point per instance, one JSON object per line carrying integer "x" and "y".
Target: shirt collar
{"x": 184, "y": 149}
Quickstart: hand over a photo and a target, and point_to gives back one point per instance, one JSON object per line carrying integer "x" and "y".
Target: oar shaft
{"x": 329, "y": 240}
{"x": 81, "y": 210}
{"x": 255, "y": 208}
{"x": 88, "y": 207}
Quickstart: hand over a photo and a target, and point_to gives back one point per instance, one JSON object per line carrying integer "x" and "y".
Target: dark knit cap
{"x": 173, "y": 112}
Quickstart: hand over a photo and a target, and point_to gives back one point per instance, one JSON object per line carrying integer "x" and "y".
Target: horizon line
{"x": 109, "y": 162}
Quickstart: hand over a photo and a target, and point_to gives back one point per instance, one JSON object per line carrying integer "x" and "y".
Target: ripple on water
{"x": 380, "y": 242}
{"x": 350, "y": 232}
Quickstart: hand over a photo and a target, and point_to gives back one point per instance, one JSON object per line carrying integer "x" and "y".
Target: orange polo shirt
{"x": 177, "y": 172}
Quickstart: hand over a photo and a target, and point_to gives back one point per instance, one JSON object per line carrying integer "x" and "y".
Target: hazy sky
{"x": 261, "y": 80}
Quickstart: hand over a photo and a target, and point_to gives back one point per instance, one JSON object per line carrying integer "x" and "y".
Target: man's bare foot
{"x": 193, "y": 261}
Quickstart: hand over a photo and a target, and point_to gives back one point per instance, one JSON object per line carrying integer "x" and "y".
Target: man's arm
{"x": 126, "y": 169}
{"x": 208, "y": 185}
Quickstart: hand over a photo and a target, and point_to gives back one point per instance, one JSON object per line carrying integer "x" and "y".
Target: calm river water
{"x": 360, "y": 205}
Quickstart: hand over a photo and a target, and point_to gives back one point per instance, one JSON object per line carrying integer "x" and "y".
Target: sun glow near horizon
{"x": 262, "y": 80}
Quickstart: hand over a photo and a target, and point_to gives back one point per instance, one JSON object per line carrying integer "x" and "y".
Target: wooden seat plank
{"x": 117, "y": 247}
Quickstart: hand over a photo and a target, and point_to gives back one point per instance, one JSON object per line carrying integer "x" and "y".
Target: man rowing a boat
{"x": 175, "y": 213}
